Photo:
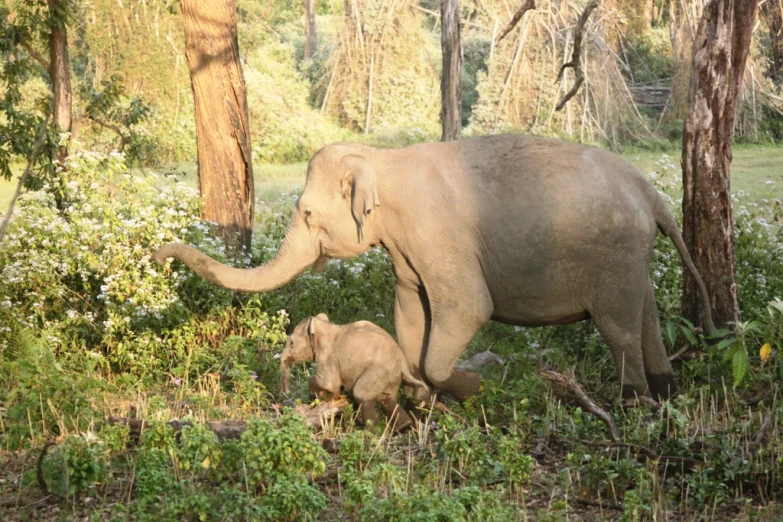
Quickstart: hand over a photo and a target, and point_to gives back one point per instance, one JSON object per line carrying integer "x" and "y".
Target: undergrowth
{"x": 90, "y": 330}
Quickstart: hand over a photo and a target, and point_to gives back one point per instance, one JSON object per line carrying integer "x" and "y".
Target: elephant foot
{"x": 461, "y": 384}
{"x": 661, "y": 385}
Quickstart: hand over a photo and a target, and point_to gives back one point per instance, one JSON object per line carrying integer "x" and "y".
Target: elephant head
{"x": 333, "y": 218}
{"x": 300, "y": 347}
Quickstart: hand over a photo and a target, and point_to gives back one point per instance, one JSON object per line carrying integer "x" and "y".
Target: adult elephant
{"x": 524, "y": 230}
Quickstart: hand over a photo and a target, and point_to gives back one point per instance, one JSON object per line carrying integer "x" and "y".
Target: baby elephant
{"x": 359, "y": 356}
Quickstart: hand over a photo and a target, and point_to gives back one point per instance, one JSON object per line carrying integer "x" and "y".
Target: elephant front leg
{"x": 411, "y": 322}
{"x": 453, "y": 326}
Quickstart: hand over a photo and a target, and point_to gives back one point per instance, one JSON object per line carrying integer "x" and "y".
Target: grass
{"x": 751, "y": 171}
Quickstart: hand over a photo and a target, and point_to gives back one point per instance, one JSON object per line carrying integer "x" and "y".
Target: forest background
{"x": 91, "y": 330}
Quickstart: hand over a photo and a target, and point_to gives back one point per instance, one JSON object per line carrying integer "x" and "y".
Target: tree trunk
{"x": 450, "y": 83}
{"x": 772, "y": 11}
{"x": 60, "y": 73}
{"x": 310, "y": 35}
{"x": 720, "y": 50}
{"x": 225, "y": 171}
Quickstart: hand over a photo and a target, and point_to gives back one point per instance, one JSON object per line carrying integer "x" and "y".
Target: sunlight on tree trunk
{"x": 310, "y": 34}
{"x": 720, "y": 50}
{"x": 225, "y": 170}
{"x": 451, "y": 76}
{"x": 60, "y": 73}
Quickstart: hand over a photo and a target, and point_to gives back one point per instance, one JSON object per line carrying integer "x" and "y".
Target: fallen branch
{"x": 640, "y": 450}
{"x": 315, "y": 416}
{"x": 579, "y": 76}
{"x": 598, "y": 504}
{"x": 524, "y": 8}
{"x": 569, "y": 383}
{"x": 49, "y": 498}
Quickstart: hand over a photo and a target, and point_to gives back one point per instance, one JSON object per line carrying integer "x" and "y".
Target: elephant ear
{"x": 315, "y": 333}
{"x": 359, "y": 184}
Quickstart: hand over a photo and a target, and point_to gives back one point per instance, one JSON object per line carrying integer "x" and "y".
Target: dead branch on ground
{"x": 575, "y": 63}
{"x": 232, "y": 429}
{"x": 568, "y": 382}
{"x": 640, "y": 450}
{"x": 524, "y": 8}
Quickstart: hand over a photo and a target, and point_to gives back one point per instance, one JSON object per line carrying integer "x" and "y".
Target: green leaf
{"x": 689, "y": 335}
{"x": 726, "y": 343}
{"x": 671, "y": 332}
{"x": 739, "y": 364}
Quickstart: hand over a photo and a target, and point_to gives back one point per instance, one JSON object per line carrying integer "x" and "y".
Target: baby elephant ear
{"x": 359, "y": 184}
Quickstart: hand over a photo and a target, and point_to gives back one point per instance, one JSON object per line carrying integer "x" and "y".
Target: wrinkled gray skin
{"x": 360, "y": 357}
{"x": 524, "y": 230}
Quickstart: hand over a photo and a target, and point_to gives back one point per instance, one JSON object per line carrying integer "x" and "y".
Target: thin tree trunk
{"x": 772, "y": 11}
{"x": 225, "y": 170}
{"x": 720, "y": 50}
{"x": 451, "y": 78}
{"x": 310, "y": 35}
{"x": 60, "y": 74}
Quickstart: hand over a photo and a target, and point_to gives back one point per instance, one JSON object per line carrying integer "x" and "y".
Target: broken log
{"x": 315, "y": 416}
{"x": 568, "y": 382}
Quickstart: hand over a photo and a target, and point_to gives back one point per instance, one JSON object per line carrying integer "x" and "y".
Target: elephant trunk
{"x": 298, "y": 251}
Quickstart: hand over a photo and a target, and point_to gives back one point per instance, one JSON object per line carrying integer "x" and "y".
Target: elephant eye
{"x": 307, "y": 213}
{"x": 368, "y": 211}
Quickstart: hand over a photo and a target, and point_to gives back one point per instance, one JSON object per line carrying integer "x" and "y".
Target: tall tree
{"x": 225, "y": 170}
{"x": 720, "y": 51}
{"x": 60, "y": 71}
{"x": 451, "y": 76}
{"x": 310, "y": 35}
{"x": 772, "y": 11}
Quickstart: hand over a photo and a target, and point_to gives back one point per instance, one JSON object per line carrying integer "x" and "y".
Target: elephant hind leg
{"x": 618, "y": 316}
{"x": 658, "y": 369}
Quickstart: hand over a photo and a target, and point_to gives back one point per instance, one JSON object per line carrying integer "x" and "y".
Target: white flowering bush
{"x": 84, "y": 271}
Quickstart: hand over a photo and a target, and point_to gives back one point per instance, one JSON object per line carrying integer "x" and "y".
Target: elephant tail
{"x": 668, "y": 227}
{"x": 409, "y": 378}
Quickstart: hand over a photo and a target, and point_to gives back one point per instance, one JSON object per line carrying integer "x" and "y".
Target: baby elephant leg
{"x": 398, "y": 417}
{"x": 367, "y": 409}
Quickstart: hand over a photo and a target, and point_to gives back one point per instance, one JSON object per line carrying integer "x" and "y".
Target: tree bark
{"x": 720, "y": 50}
{"x": 60, "y": 74}
{"x": 451, "y": 77}
{"x": 310, "y": 35}
{"x": 225, "y": 170}
{"x": 772, "y": 10}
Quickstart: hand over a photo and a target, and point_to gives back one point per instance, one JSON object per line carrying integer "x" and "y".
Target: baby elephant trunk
{"x": 286, "y": 361}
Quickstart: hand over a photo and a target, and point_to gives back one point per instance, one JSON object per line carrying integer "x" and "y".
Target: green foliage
{"x": 25, "y": 96}
{"x": 83, "y": 456}
{"x": 280, "y": 451}
{"x": 111, "y": 108}
{"x": 285, "y": 128}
